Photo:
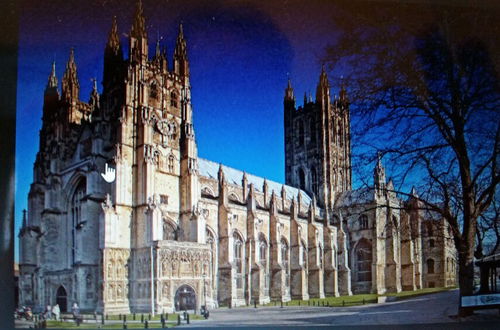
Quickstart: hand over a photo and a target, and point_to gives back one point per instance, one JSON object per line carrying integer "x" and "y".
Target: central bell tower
{"x": 318, "y": 143}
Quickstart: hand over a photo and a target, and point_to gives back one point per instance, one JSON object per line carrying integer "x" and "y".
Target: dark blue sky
{"x": 240, "y": 53}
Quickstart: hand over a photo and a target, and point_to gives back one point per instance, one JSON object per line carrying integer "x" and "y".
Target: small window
{"x": 431, "y": 243}
{"x": 173, "y": 99}
{"x": 363, "y": 222}
{"x": 430, "y": 266}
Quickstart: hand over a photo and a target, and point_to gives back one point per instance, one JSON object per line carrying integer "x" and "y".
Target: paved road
{"x": 432, "y": 308}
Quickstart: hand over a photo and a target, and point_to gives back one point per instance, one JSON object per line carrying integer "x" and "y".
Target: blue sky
{"x": 241, "y": 55}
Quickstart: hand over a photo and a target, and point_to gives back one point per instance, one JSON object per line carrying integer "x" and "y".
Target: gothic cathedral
{"x": 163, "y": 229}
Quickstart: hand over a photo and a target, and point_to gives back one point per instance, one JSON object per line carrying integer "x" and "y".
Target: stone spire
{"x": 323, "y": 89}
{"x": 181, "y": 63}
{"x": 289, "y": 92}
{"x": 379, "y": 173}
{"x": 139, "y": 27}
{"x": 25, "y": 222}
{"x": 52, "y": 83}
{"x": 113, "y": 43}
{"x": 94, "y": 95}
{"x": 70, "y": 85}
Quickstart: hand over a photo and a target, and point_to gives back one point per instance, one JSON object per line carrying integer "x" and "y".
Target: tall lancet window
{"x": 312, "y": 131}
{"x": 314, "y": 181}
{"x": 302, "y": 178}
{"x": 364, "y": 261}
{"x": 300, "y": 129}
{"x": 284, "y": 261}
{"x": 237, "y": 258}
{"x": 76, "y": 214}
{"x": 263, "y": 259}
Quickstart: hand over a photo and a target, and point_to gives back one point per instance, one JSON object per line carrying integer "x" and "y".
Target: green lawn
{"x": 358, "y": 299}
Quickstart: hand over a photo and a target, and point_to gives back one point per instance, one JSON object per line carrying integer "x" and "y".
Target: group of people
{"x": 52, "y": 312}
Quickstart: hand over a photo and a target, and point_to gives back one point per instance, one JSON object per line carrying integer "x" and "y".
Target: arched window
{"x": 364, "y": 261}
{"x": 237, "y": 258}
{"x": 431, "y": 243}
{"x": 320, "y": 256}
{"x": 314, "y": 181}
{"x": 363, "y": 222}
{"x": 303, "y": 256}
{"x": 312, "y": 130}
{"x": 153, "y": 90}
{"x": 334, "y": 220}
{"x": 76, "y": 214}
{"x": 173, "y": 99}
{"x": 430, "y": 266}
{"x": 263, "y": 259}
{"x": 284, "y": 260}
{"x": 300, "y": 128}
{"x": 169, "y": 231}
{"x": 430, "y": 231}
{"x": 302, "y": 179}
{"x": 171, "y": 160}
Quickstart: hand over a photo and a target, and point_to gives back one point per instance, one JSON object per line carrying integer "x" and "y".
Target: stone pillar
{"x": 330, "y": 270}
{"x": 316, "y": 258}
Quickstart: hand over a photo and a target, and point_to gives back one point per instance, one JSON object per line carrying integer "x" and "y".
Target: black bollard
{"x": 255, "y": 303}
{"x": 102, "y": 318}
{"x": 281, "y": 304}
{"x": 166, "y": 316}
{"x": 142, "y": 318}
{"x": 327, "y": 304}
{"x": 119, "y": 316}
{"x": 146, "y": 325}
{"x": 178, "y": 319}
{"x": 343, "y": 303}
{"x": 125, "y": 318}
{"x": 188, "y": 318}
{"x": 134, "y": 316}
{"x": 149, "y": 317}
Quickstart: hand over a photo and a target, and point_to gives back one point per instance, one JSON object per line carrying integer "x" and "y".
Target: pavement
{"x": 422, "y": 311}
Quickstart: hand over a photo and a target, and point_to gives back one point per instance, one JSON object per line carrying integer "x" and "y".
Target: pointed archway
{"x": 185, "y": 298}
{"x": 62, "y": 299}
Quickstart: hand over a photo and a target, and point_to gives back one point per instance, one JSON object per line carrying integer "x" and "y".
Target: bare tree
{"x": 424, "y": 90}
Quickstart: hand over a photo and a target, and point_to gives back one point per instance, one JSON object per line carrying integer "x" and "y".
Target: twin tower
{"x": 318, "y": 143}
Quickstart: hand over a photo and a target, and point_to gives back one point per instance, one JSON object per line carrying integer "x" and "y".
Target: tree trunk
{"x": 466, "y": 272}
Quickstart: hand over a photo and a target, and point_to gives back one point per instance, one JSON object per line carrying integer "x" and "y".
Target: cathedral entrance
{"x": 62, "y": 299}
{"x": 185, "y": 298}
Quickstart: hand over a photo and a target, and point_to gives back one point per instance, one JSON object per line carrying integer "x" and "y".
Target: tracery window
{"x": 263, "y": 259}
{"x": 237, "y": 258}
{"x": 430, "y": 266}
{"x": 300, "y": 129}
{"x": 169, "y": 231}
{"x": 363, "y": 222}
{"x": 364, "y": 261}
{"x": 284, "y": 261}
{"x": 320, "y": 256}
{"x": 173, "y": 99}
{"x": 171, "y": 160}
{"x": 302, "y": 179}
{"x": 303, "y": 260}
{"x": 312, "y": 130}
{"x": 314, "y": 181}
{"x": 76, "y": 214}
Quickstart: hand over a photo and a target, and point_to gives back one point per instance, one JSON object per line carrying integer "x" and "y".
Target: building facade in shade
{"x": 173, "y": 231}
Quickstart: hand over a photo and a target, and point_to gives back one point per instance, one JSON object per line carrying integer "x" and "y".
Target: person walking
{"x": 56, "y": 311}
{"x": 48, "y": 312}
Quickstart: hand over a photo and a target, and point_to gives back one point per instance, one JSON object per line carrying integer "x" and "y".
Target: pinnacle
{"x": 52, "y": 83}
{"x": 113, "y": 38}
{"x": 139, "y": 26}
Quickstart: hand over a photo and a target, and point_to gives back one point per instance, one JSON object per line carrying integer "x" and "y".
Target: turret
{"x": 160, "y": 58}
{"x": 181, "y": 63}
{"x": 138, "y": 37}
{"x": 51, "y": 94}
{"x": 379, "y": 174}
{"x": 323, "y": 89}
{"x": 113, "y": 56}
{"x": 70, "y": 85}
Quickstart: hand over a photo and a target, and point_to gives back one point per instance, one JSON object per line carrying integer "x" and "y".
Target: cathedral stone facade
{"x": 173, "y": 231}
